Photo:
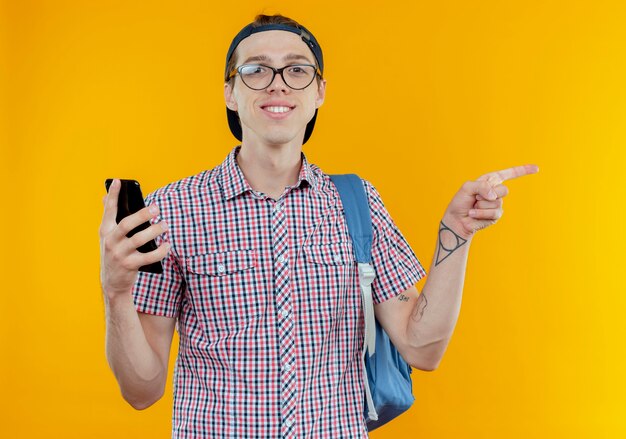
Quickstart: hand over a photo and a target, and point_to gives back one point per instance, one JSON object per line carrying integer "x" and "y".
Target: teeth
{"x": 277, "y": 109}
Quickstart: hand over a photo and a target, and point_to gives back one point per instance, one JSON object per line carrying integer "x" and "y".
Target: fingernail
{"x": 154, "y": 209}
{"x": 492, "y": 195}
{"x": 164, "y": 225}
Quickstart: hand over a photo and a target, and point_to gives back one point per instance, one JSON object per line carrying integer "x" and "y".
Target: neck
{"x": 270, "y": 168}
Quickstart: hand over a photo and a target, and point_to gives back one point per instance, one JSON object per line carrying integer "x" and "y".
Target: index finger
{"x": 497, "y": 177}
{"x": 110, "y": 203}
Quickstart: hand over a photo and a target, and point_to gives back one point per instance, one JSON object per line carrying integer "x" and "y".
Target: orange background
{"x": 421, "y": 96}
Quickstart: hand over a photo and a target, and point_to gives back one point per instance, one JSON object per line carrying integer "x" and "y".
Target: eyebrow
{"x": 289, "y": 57}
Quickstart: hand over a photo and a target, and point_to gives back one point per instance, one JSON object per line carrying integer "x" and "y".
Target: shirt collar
{"x": 234, "y": 182}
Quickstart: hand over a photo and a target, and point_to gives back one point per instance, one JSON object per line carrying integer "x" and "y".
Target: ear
{"x": 321, "y": 93}
{"x": 229, "y": 97}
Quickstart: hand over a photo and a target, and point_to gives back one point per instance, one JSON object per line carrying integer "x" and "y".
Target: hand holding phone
{"x": 129, "y": 201}
{"x": 127, "y": 237}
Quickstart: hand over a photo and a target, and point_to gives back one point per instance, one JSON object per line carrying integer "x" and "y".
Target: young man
{"x": 259, "y": 273}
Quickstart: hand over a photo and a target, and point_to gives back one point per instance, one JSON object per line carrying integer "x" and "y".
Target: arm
{"x": 137, "y": 349}
{"x": 421, "y": 325}
{"x": 137, "y": 345}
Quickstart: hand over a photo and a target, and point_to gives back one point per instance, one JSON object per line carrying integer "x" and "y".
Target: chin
{"x": 274, "y": 135}
{"x": 280, "y": 138}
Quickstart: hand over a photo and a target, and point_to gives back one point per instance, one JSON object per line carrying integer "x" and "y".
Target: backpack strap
{"x": 358, "y": 217}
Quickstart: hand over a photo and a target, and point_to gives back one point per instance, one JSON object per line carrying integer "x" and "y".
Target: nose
{"x": 277, "y": 84}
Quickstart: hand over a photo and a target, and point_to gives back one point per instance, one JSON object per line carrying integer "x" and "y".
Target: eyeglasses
{"x": 259, "y": 76}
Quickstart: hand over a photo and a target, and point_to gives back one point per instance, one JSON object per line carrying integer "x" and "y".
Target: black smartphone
{"x": 130, "y": 201}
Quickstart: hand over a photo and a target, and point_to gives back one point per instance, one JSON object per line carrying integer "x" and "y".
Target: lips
{"x": 276, "y": 109}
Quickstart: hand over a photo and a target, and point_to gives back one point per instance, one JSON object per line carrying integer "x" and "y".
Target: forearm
{"x": 436, "y": 311}
{"x": 137, "y": 368}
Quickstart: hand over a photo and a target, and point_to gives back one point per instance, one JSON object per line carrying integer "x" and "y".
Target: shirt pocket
{"x": 330, "y": 279}
{"x": 224, "y": 289}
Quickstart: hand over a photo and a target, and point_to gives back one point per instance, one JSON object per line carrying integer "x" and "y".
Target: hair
{"x": 262, "y": 20}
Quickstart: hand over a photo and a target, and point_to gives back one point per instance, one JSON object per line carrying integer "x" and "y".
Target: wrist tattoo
{"x": 403, "y": 298}
{"x": 442, "y": 251}
{"x": 418, "y": 312}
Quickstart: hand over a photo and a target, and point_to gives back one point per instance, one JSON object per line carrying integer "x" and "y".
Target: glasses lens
{"x": 256, "y": 76}
{"x": 299, "y": 76}
{"x": 259, "y": 77}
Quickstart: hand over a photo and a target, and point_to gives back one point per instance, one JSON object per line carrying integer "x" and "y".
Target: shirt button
{"x": 287, "y": 367}
{"x": 284, "y": 312}
{"x": 282, "y": 259}
{"x": 221, "y": 268}
{"x": 289, "y": 423}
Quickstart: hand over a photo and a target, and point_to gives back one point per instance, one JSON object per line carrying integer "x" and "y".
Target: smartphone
{"x": 130, "y": 201}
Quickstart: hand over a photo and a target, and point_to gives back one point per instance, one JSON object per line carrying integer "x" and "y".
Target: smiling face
{"x": 276, "y": 115}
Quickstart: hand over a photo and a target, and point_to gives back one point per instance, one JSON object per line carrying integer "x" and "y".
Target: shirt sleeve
{"x": 160, "y": 294}
{"x": 396, "y": 266}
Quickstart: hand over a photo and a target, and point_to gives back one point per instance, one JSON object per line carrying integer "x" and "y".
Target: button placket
{"x": 284, "y": 325}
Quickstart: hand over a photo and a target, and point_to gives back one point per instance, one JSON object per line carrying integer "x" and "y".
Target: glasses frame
{"x": 237, "y": 71}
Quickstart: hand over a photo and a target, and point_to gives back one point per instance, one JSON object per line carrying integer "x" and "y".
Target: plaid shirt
{"x": 268, "y": 304}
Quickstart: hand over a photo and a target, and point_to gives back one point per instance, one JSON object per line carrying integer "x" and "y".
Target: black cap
{"x": 307, "y": 37}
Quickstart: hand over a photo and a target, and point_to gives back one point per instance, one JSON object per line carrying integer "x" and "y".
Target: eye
{"x": 253, "y": 70}
{"x": 299, "y": 70}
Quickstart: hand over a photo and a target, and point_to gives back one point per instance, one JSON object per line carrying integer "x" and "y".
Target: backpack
{"x": 388, "y": 386}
